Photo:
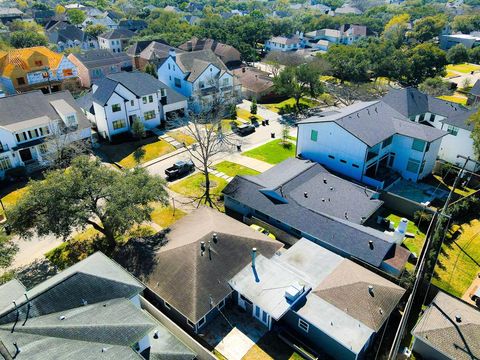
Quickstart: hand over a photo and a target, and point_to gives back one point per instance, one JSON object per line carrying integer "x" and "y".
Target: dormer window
{"x": 163, "y": 92}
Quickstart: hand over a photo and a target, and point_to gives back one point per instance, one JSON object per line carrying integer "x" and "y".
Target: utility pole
{"x": 421, "y": 276}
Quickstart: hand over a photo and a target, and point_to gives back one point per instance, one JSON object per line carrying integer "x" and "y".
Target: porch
{"x": 379, "y": 173}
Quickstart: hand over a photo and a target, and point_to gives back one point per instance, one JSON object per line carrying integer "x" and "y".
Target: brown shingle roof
{"x": 254, "y": 79}
{"x": 347, "y": 288}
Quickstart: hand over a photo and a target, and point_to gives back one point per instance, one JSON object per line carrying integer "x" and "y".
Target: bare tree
{"x": 348, "y": 93}
{"x": 279, "y": 59}
{"x": 212, "y": 139}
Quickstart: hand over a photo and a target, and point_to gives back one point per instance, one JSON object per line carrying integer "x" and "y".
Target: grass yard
{"x": 193, "y": 186}
{"x": 454, "y": 98}
{"x": 245, "y": 115}
{"x": 272, "y": 152}
{"x": 152, "y": 151}
{"x": 415, "y": 244}
{"x": 289, "y": 102}
{"x": 232, "y": 169}
{"x": 462, "y": 192}
{"x": 459, "y": 262}
{"x": 181, "y": 137}
{"x": 227, "y": 125}
{"x": 11, "y": 198}
{"x": 450, "y": 74}
{"x": 165, "y": 216}
{"x": 463, "y": 68}
{"x": 271, "y": 347}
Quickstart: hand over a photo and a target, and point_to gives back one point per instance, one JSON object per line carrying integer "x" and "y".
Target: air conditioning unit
{"x": 293, "y": 292}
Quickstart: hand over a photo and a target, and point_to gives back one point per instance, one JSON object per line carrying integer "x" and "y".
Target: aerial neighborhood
{"x": 240, "y": 180}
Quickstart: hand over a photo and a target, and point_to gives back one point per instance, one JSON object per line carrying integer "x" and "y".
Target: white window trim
{"x": 201, "y": 322}
{"x": 167, "y": 305}
{"x": 221, "y": 305}
{"x": 305, "y": 326}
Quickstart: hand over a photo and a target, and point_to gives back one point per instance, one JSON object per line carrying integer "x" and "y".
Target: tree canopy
{"x": 76, "y": 16}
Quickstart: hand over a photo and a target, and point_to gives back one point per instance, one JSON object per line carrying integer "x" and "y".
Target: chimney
{"x": 458, "y": 318}
{"x": 305, "y": 194}
{"x": 254, "y": 255}
{"x": 155, "y": 334}
{"x": 370, "y": 244}
{"x": 215, "y": 238}
{"x": 172, "y": 53}
{"x": 324, "y": 180}
{"x": 202, "y": 247}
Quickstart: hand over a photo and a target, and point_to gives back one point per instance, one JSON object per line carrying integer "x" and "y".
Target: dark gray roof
{"x": 157, "y": 51}
{"x": 191, "y": 282}
{"x": 117, "y": 34}
{"x": 133, "y": 25}
{"x": 475, "y": 90}
{"x": 101, "y": 57}
{"x": 165, "y": 346}
{"x": 374, "y": 121}
{"x": 138, "y": 46}
{"x": 322, "y": 220}
{"x": 10, "y": 291}
{"x": 36, "y": 105}
{"x": 85, "y": 102}
{"x": 139, "y": 83}
{"x": 195, "y": 62}
{"x": 461, "y": 119}
{"x": 63, "y": 31}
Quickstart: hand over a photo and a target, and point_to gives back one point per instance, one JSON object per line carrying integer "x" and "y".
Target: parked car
{"x": 245, "y": 129}
{"x": 263, "y": 231}
{"x": 179, "y": 169}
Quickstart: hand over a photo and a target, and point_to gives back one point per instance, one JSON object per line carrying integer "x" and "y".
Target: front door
{"x": 131, "y": 119}
{"x": 26, "y": 155}
{"x": 261, "y": 315}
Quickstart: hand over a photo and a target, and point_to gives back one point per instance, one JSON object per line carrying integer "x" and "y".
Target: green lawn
{"x": 463, "y": 68}
{"x": 271, "y": 347}
{"x": 245, "y": 115}
{"x": 165, "y": 215}
{"x": 462, "y": 192}
{"x": 290, "y": 102}
{"x": 454, "y": 98}
{"x": 227, "y": 124}
{"x": 11, "y": 198}
{"x": 415, "y": 244}
{"x": 450, "y": 74}
{"x": 181, "y": 137}
{"x": 152, "y": 151}
{"x": 193, "y": 186}
{"x": 273, "y": 152}
{"x": 458, "y": 264}
{"x": 232, "y": 169}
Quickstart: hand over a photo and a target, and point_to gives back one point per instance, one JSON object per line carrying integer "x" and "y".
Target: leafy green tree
{"x": 425, "y": 61}
{"x": 475, "y": 135}
{"x": 60, "y": 9}
{"x": 8, "y": 250}
{"x": 457, "y": 54}
{"x": 138, "y": 129}
{"x": 253, "y": 107}
{"x": 435, "y": 86}
{"x": 95, "y": 29}
{"x": 25, "y": 39}
{"x": 466, "y": 23}
{"x": 474, "y": 55}
{"x": 298, "y": 82}
{"x": 76, "y": 16}
{"x": 150, "y": 69}
{"x": 428, "y": 27}
{"x": 348, "y": 63}
{"x": 87, "y": 193}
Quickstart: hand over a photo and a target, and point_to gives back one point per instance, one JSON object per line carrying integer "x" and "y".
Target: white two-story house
{"x": 115, "y": 40}
{"x": 371, "y": 143}
{"x": 200, "y": 76}
{"x": 284, "y": 43}
{"x": 441, "y": 114}
{"x": 119, "y": 99}
{"x": 27, "y": 123}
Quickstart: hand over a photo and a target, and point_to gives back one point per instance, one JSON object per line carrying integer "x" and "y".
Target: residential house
{"x": 115, "y": 40}
{"x": 200, "y": 76}
{"x": 192, "y": 19}
{"x": 106, "y": 19}
{"x": 337, "y": 308}
{"x": 42, "y": 17}
{"x": 28, "y": 120}
{"x": 281, "y": 14}
{"x": 352, "y": 33}
{"x": 441, "y": 114}
{"x": 96, "y": 64}
{"x": 7, "y": 15}
{"x": 449, "y": 40}
{"x": 119, "y": 99}
{"x": 91, "y": 310}
{"x": 284, "y": 43}
{"x": 35, "y": 68}
{"x": 256, "y": 84}
{"x": 347, "y": 35}
{"x": 448, "y": 329}
{"x": 227, "y": 53}
{"x": 133, "y": 25}
{"x": 67, "y": 36}
{"x": 474, "y": 94}
{"x": 173, "y": 9}
{"x": 301, "y": 199}
{"x": 348, "y": 9}
{"x": 135, "y": 49}
{"x": 370, "y": 142}
{"x": 190, "y": 274}
{"x": 156, "y": 53}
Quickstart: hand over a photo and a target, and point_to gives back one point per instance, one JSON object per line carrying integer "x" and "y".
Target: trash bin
{"x": 263, "y": 122}
{"x": 267, "y": 121}
{"x": 272, "y": 135}
{"x": 239, "y": 148}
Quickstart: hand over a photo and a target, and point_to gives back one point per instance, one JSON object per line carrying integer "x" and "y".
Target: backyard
{"x": 414, "y": 244}
{"x": 459, "y": 260}
{"x": 194, "y": 187}
{"x": 232, "y": 169}
{"x": 463, "y": 68}
{"x": 271, "y": 347}
{"x": 165, "y": 216}
{"x": 123, "y": 153}
{"x": 273, "y": 152}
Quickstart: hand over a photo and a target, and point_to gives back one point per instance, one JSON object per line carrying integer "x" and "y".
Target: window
{"x": 32, "y": 134}
{"x": 20, "y": 81}
{"x": 413, "y": 165}
{"x": 149, "y": 115}
{"x": 201, "y": 322}
{"x": 302, "y": 324}
{"x": 201, "y": 84}
{"x": 387, "y": 142}
{"x": 44, "y": 131}
{"x": 21, "y": 136}
{"x": 178, "y": 83}
{"x": 168, "y": 66}
{"x": 225, "y": 82}
{"x": 38, "y": 63}
{"x": 163, "y": 92}
{"x": 314, "y": 135}
{"x": 132, "y": 102}
{"x": 116, "y": 108}
{"x": 43, "y": 148}
{"x": 343, "y": 161}
{"x": 167, "y": 305}
{"x": 118, "y": 124}
{"x": 418, "y": 145}
{"x": 144, "y": 99}
{"x": 221, "y": 305}
{"x": 245, "y": 299}
{"x": 67, "y": 72}
{"x": 453, "y": 130}
{"x": 150, "y": 98}
{"x": 5, "y": 163}
{"x": 331, "y": 157}
{"x": 421, "y": 118}
{"x": 355, "y": 166}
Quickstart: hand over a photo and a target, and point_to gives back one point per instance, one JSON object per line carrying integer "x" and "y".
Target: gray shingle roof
{"x": 319, "y": 219}
{"x": 375, "y": 121}
{"x": 101, "y": 57}
{"x": 192, "y": 283}
{"x": 117, "y": 34}
{"x": 439, "y": 328}
{"x": 10, "y": 291}
{"x": 195, "y": 62}
{"x": 461, "y": 119}
{"x": 475, "y": 90}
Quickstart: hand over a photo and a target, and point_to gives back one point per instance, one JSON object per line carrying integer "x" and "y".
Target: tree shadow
{"x": 36, "y": 272}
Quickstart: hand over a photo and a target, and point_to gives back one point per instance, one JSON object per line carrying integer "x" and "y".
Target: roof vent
{"x": 254, "y": 256}
{"x": 362, "y": 220}
{"x": 458, "y": 318}
{"x": 324, "y": 180}
{"x": 370, "y": 244}
{"x": 376, "y": 109}
{"x": 305, "y": 194}
{"x": 370, "y": 290}
{"x": 215, "y": 238}
{"x": 346, "y": 215}
{"x": 155, "y": 334}
{"x": 380, "y": 311}
{"x": 104, "y": 349}
{"x": 331, "y": 188}
{"x": 62, "y": 317}
{"x": 84, "y": 302}
{"x": 202, "y": 247}
{"x": 323, "y": 199}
